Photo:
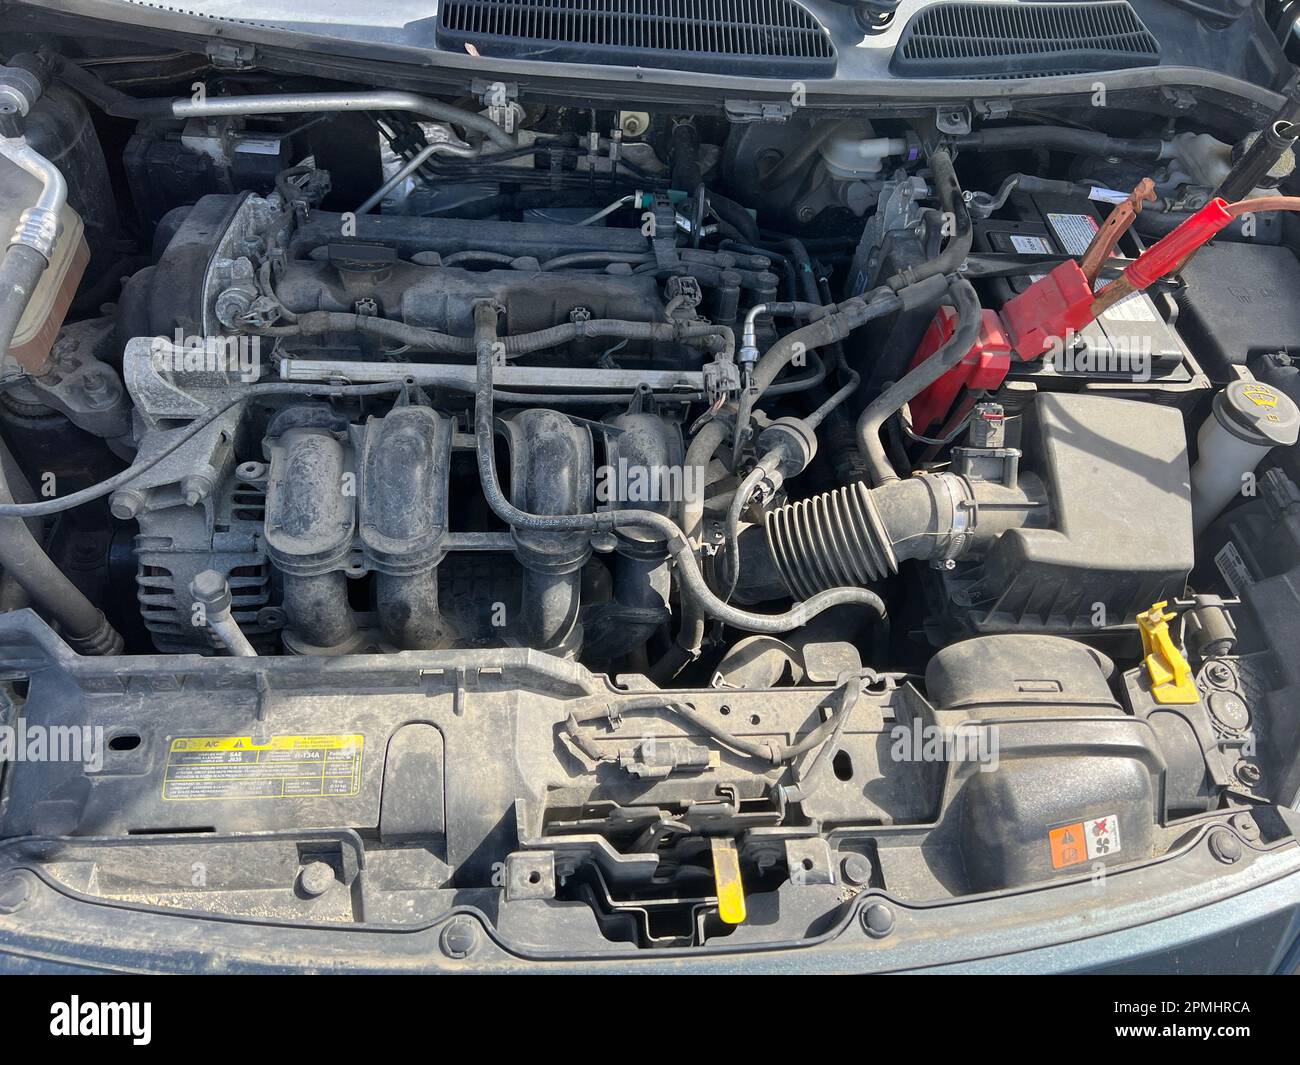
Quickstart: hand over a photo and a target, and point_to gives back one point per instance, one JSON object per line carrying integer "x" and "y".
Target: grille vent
{"x": 970, "y": 40}
{"x": 772, "y": 38}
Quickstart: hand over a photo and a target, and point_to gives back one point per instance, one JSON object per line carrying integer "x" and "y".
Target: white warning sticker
{"x": 1233, "y": 567}
{"x": 1101, "y": 836}
{"x": 1075, "y": 232}
{"x": 1135, "y": 307}
{"x": 1031, "y": 245}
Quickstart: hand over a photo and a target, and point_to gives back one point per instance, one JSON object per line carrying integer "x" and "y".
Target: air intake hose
{"x": 856, "y": 535}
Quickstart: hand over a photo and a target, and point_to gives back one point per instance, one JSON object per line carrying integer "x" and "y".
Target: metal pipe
{"x": 83, "y": 624}
{"x": 38, "y": 225}
{"x": 463, "y": 151}
{"x": 461, "y": 378}
{"x": 291, "y": 103}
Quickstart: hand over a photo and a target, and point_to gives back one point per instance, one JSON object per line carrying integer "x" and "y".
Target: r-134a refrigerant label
{"x": 284, "y": 767}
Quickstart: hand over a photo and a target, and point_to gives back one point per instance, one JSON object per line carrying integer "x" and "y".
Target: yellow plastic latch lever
{"x": 1171, "y": 676}
{"x": 726, "y": 874}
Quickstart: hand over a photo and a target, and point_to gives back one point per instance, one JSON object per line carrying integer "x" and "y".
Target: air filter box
{"x": 1119, "y": 534}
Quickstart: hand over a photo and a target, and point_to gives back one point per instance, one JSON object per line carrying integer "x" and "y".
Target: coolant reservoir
{"x": 49, "y": 303}
{"x": 1247, "y": 420}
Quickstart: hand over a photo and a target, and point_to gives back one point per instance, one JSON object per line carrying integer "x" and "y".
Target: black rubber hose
{"x": 595, "y": 258}
{"x": 690, "y": 634}
{"x": 911, "y": 384}
{"x": 735, "y": 216}
{"x": 20, "y": 272}
{"x": 834, "y": 400}
{"x": 803, "y": 265}
{"x": 684, "y": 156}
{"x": 588, "y": 399}
{"x": 835, "y": 325}
{"x": 493, "y": 258}
{"x": 1061, "y": 139}
{"x": 102, "y": 95}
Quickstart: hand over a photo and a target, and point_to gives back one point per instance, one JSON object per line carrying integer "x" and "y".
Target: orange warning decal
{"x": 1090, "y": 840}
{"x": 1068, "y": 846}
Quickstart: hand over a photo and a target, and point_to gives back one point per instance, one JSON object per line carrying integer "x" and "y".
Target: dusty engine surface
{"x": 252, "y": 507}
{"x": 430, "y": 274}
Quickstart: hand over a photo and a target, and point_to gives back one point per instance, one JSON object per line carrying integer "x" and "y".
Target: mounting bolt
{"x": 856, "y": 869}
{"x": 1225, "y": 846}
{"x": 1247, "y": 826}
{"x": 126, "y": 503}
{"x": 633, "y": 123}
{"x": 15, "y": 891}
{"x": 195, "y": 487}
{"x": 878, "y": 920}
{"x": 1219, "y": 673}
{"x": 460, "y": 938}
{"x": 316, "y": 878}
{"x": 97, "y": 387}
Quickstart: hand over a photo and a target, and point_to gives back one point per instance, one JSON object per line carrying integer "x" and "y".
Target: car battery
{"x": 1130, "y": 347}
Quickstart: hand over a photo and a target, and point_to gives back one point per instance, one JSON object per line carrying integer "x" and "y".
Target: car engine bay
{"x": 641, "y": 528}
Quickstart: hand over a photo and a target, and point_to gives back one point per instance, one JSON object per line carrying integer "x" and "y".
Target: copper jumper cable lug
{"x": 1107, "y": 237}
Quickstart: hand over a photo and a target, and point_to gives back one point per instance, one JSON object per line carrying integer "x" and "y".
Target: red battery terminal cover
{"x": 1049, "y": 310}
{"x": 985, "y": 366}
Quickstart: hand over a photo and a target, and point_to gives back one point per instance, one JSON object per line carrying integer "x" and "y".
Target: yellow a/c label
{"x": 284, "y": 767}
{"x": 275, "y": 743}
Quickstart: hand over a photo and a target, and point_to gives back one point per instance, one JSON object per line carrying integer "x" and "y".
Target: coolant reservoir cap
{"x": 1258, "y": 413}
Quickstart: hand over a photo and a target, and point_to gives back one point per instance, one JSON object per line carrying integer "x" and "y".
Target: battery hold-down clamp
{"x": 1065, "y": 300}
